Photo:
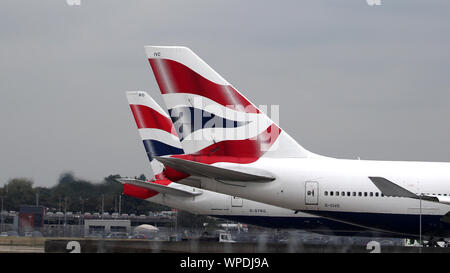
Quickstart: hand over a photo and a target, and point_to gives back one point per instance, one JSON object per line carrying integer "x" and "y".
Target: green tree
{"x": 77, "y": 194}
{"x": 20, "y": 192}
{"x": 66, "y": 178}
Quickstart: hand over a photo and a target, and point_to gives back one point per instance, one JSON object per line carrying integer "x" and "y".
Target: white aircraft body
{"x": 157, "y": 133}
{"x": 240, "y": 210}
{"x": 233, "y": 148}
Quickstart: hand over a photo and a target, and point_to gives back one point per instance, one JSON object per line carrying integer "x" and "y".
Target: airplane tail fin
{"x": 210, "y": 116}
{"x": 155, "y": 128}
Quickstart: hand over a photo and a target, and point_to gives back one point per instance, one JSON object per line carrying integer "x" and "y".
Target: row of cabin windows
{"x": 371, "y": 194}
{"x": 343, "y": 193}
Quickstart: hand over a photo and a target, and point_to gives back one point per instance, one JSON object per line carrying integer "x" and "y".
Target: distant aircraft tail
{"x": 155, "y": 128}
{"x": 211, "y": 117}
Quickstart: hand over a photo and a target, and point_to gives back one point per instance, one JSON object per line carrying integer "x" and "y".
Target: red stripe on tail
{"x": 147, "y": 117}
{"x": 174, "y": 77}
{"x": 236, "y": 151}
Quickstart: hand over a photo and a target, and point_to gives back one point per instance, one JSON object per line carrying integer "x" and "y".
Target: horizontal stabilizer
{"x": 204, "y": 170}
{"x": 158, "y": 187}
{"x": 389, "y": 188}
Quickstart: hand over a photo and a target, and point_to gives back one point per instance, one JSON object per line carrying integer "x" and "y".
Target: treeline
{"x": 75, "y": 195}
{"x": 78, "y": 195}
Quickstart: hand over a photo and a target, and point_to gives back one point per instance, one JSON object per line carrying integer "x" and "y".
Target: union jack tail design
{"x": 155, "y": 128}
{"x": 214, "y": 122}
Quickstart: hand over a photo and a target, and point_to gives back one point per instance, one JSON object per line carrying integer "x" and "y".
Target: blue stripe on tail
{"x": 158, "y": 148}
{"x": 197, "y": 119}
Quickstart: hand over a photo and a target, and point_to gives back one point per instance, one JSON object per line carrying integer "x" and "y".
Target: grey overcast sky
{"x": 350, "y": 79}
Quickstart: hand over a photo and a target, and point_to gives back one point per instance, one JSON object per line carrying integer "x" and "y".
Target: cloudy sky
{"x": 351, "y": 80}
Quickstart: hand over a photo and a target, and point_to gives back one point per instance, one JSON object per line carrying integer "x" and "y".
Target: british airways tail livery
{"x": 156, "y": 131}
{"x": 155, "y": 128}
{"x": 211, "y": 116}
{"x": 233, "y": 148}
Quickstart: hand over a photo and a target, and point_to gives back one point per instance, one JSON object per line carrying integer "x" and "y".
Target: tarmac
{"x": 99, "y": 245}
{"x": 195, "y": 246}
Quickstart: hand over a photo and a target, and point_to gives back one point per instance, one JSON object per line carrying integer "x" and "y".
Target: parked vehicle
{"x": 117, "y": 235}
{"x": 13, "y": 233}
{"x": 226, "y": 238}
{"x": 218, "y": 236}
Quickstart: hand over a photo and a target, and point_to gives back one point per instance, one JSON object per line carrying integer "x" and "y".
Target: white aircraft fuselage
{"x": 305, "y": 184}
{"x": 255, "y": 213}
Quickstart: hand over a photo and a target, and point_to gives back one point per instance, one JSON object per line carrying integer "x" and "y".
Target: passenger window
{"x": 343, "y": 193}
{"x": 376, "y": 194}
{"x": 359, "y": 193}
{"x": 354, "y": 193}
{"x": 371, "y": 194}
{"x": 348, "y": 193}
{"x": 331, "y": 193}
{"x": 326, "y": 193}
{"x": 365, "y": 194}
{"x": 337, "y": 193}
